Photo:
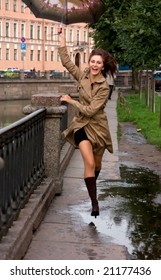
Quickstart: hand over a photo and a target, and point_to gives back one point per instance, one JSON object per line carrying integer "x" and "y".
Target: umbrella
{"x": 67, "y": 11}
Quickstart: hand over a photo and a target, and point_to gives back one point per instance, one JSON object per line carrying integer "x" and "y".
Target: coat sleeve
{"x": 68, "y": 64}
{"x": 97, "y": 103}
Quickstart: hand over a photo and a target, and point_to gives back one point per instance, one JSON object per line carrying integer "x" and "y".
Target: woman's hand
{"x": 66, "y": 98}
{"x": 62, "y": 38}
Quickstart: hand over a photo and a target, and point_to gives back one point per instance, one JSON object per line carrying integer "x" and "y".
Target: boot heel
{"x": 95, "y": 213}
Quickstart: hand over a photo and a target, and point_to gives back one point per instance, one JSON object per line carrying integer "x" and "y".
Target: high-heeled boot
{"x": 92, "y": 190}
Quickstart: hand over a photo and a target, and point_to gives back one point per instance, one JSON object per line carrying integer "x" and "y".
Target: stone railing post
{"x": 52, "y": 133}
{"x": 47, "y": 75}
{"x": 21, "y": 75}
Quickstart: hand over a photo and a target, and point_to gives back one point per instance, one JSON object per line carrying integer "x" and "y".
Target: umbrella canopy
{"x": 67, "y": 11}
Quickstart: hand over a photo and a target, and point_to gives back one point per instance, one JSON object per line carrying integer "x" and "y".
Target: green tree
{"x": 139, "y": 34}
{"x": 131, "y": 31}
{"x": 105, "y": 35}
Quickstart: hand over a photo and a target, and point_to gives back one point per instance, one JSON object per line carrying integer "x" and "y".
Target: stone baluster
{"x": 52, "y": 133}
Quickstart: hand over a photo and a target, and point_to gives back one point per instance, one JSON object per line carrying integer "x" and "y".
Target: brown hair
{"x": 109, "y": 61}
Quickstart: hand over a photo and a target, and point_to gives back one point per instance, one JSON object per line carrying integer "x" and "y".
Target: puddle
{"x": 130, "y": 212}
{"x": 132, "y": 135}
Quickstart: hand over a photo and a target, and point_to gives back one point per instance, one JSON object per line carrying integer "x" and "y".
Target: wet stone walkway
{"x": 65, "y": 233}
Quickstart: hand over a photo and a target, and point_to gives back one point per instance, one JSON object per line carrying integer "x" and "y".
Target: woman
{"x": 89, "y": 129}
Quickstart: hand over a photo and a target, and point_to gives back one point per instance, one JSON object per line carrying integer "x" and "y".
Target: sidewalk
{"x": 63, "y": 234}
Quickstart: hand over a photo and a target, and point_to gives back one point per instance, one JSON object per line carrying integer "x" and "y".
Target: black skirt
{"x": 79, "y": 136}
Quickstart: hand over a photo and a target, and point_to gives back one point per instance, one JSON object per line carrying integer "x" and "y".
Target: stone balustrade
{"x": 55, "y": 158}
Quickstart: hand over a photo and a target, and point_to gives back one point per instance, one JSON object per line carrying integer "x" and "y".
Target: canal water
{"x": 11, "y": 111}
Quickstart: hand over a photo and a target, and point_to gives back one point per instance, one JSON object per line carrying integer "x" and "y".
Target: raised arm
{"x": 65, "y": 59}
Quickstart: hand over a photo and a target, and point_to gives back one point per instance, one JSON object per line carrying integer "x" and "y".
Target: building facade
{"x": 27, "y": 42}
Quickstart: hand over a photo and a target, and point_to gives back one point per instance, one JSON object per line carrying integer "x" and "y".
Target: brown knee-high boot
{"x": 92, "y": 190}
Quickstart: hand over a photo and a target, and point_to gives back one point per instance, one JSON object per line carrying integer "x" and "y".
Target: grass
{"x": 147, "y": 122}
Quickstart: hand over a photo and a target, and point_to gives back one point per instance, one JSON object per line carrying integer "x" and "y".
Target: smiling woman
{"x": 89, "y": 130}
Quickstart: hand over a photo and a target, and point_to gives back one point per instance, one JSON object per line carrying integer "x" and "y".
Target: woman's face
{"x": 96, "y": 65}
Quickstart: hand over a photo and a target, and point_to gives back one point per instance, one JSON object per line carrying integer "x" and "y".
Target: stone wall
{"x": 22, "y": 89}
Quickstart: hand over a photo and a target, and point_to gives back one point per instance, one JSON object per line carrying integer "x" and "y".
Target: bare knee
{"x": 90, "y": 164}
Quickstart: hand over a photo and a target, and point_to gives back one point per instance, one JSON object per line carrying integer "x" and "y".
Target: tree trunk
{"x": 140, "y": 84}
{"x": 135, "y": 79}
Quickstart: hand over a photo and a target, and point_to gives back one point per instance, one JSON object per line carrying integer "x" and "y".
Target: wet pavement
{"x": 130, "y": 211}
{"x": 65, "y": 232}
{"x": 134, "y": 212}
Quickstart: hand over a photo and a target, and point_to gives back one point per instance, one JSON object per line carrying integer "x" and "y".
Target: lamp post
{"x": 23, "y": 50}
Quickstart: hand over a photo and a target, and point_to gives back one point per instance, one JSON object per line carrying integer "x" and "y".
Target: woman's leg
{"x": 98, "y": 164}
{"x": 88, "y": 158}
{"x": 89, "y": 174}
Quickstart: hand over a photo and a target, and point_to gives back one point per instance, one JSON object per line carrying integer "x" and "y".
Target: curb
{"x": 14, "y": 245}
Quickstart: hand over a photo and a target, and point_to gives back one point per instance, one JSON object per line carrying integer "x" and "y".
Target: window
{"x": 77, "y": 37}
{"x": 23, "y": 56}
{"x": 46, "y": 56}
{"x": 31, "y": 31}
{"x": 31, "y": 55}
{"x": 0, "y": 4}
{"x": 52, "y": 55}
{"x": 52, "y": 33}
{"x": 7, "y": 3}
{"x": 15, "y": 5}
{"x": 7, "y": 54}
{"x": 46, "y": 35}
{"x": 65, "y": 33}
{"x": 38, "y": 32}
{"x": 71, "y": 35}
{"x": 7, "y": 29}
{"x": 15, "y": 30}
{"x": 15, "y": 54}
{"x": 38, "y": 55}
{"x": 85, "y": 36}
{"x": 22, "y": 30}
{"x": 22, "y": 7}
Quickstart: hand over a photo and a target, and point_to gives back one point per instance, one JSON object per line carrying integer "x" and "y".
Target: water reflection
{"x": 130, "y": 212}
{"x": 11, "y": 111}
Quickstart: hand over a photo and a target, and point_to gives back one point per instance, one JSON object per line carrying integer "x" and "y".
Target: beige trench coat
{"x": 90, "y": 107}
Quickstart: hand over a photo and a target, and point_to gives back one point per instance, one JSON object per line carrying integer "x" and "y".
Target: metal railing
{"x": 22, "y": 149}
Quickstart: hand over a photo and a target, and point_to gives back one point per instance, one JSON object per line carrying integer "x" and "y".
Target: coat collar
{"x": 100, "y": 79}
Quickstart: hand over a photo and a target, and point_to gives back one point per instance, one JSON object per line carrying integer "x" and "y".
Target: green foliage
{"x": 142, "y": 117}
{"x": 11, "y": 75}
{"x": 139, "y": 34}
{"x": 131, "y": 31}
